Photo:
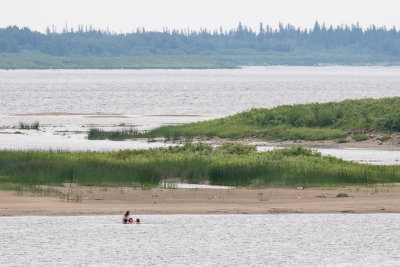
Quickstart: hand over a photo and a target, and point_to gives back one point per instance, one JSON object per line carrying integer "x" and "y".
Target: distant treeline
{"x": 86, "y": 41}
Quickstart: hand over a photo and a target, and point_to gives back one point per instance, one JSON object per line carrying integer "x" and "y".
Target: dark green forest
{"x": 86, "y": 47}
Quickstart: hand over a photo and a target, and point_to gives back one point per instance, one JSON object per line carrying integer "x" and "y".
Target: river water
{"x": 67, "y": 103}
{"x": 208, "y": 93}
{"x": 202, "y": 240}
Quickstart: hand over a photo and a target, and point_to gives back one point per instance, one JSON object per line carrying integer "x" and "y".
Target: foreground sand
{"x": 95, "y": 200}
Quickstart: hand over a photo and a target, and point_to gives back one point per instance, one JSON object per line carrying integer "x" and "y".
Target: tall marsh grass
{"x": 55, "y": 168}
{"x": 230, "y": 164}
{"x": 29, "y": 126}
{"x": 99, "y": 134}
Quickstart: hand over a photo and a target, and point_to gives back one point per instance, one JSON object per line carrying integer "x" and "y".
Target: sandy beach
{"x": 97, "y": 200}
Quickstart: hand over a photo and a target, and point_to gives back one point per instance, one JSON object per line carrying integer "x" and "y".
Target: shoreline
{"x": 110, "y": 201}
{"x": 74, "y": 141}
{"x": 328, "y": 144}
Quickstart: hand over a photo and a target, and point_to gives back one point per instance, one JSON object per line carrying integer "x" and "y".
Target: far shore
{"x": 108, "y": 200}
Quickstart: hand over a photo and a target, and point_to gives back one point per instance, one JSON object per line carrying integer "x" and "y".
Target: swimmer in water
{"x": 126, "y": 218}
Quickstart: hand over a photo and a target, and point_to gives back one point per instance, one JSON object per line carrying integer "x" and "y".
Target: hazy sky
{"x": 125, "y": 15}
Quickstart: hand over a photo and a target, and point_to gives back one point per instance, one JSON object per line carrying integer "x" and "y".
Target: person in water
{"x": 126, "y": 219}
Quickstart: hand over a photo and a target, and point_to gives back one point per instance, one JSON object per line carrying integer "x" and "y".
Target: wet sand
{"x": 96, "y": 201}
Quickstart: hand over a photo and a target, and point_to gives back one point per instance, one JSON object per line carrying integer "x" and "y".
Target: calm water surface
{"x": 193, "y": 92}
{"x": 202, "y": 240}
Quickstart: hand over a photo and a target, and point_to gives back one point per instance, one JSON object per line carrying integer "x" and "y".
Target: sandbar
{"x": 106, "y": 200}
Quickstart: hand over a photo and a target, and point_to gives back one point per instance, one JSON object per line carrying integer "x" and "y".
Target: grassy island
{"x": 229, "y": 164}
{"x": 289, "y": 122}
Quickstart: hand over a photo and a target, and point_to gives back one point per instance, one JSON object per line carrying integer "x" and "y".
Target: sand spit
{"x": 107, "y": 116}
{"x": 174, "y": 115}
{"x": 98, "y": 200}
{"x": 67, "y": 114}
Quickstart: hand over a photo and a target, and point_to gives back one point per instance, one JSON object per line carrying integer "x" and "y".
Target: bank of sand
{"x": 96, "y": 200}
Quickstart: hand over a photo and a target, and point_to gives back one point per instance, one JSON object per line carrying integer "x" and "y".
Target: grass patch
{"x": 384, "y": 138}
{"x": 360, "y": 137}
{"x": 29, "y": 126}
{"x": 327, "y": 121}
{"x": 98, "y": 134}
{"x": 230, "y": 164}
{"x": 205, "y": 59}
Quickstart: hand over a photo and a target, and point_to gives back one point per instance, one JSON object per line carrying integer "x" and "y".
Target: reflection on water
{"x": 202, "y": 240}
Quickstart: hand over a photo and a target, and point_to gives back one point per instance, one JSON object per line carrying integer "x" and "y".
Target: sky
{"x": 127, "y": 15}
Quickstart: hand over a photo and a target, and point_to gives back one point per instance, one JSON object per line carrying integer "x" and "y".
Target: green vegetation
{"x": 29, "y": 126}
{"x": 122, "y": 134}
{"x": 360, "y": 137}
{"x": 233, "y": 59}
{"x": 37, "y": 60}
{"x": 91, "y": 48}
{"x": 384, "y": 138}
{"x": 294, "y": 122}
{"x": 54, "y": 168}
{"x": 229, "y": 164}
